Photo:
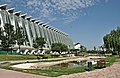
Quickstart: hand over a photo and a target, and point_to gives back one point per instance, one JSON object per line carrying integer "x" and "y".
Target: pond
{"x": 66, "y": 65}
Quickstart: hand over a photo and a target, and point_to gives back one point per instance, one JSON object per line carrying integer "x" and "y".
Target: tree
{"x": 59, "y": 47}
{"x": 94, "y": 48}
{"x": 1, "y": 32}
{"x": 1, "y": 35}
{"x": 39, "y": 43}
{"x": 8, "y": 37}
{"x": 19, "y": 36}
{"x": 64, "y": 47}
{"x": 112, "y": 40}
{"x": 106, "y": 40}
{"x": 102, "y": 47}
{"x": 82, "y": 48}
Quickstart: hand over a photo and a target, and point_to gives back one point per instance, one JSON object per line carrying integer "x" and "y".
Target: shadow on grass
{"x": 97, "y": 67}
{"x": 94, "y": 68}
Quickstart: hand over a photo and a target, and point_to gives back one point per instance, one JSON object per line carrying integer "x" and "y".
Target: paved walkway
{"x": 14, "y": 74}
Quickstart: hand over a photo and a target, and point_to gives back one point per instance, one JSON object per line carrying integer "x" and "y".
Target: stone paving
{"x": 14, "y": 74}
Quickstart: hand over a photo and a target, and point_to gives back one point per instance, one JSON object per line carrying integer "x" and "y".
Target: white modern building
{"x": 33, "y": 28}
{"x": 77, "y": 46}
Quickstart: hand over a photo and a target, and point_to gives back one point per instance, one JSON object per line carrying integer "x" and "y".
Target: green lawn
{"x": 5, "y": 57}
{"x": 55, "y": 72}
{"x": 110, "y": 60}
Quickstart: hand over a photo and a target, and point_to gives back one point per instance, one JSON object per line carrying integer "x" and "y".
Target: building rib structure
{"x": 33, "y": 28}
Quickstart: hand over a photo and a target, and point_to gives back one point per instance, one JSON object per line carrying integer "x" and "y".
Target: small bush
{"x": 46, "y": 56}
{"x": 55, "y": 55}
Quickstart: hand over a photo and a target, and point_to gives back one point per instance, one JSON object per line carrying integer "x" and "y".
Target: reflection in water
{"x": 65, "y": 65}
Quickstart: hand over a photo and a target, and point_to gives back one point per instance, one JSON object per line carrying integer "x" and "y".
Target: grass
{"x": 55, "y": 73}
{"x": 111, "y": 59}
{"x": 59, "y": 72}
{"x": 5, "y": 57}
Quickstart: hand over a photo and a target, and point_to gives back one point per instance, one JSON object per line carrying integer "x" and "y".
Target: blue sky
{"x": 86, "y": 21}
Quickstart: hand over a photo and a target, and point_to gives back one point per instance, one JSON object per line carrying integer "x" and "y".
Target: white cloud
{"x": 61, "y": 5}
{"x": 65, "y": 5}
{"x": 70, "y": 19}
{"x": 49, "y": 9}
{"x": 67, "y": 8}
{"x": 33, "y": 2}
{"x": 51, "y": 19}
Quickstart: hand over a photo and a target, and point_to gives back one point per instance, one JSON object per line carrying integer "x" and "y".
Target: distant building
{"x": 77, "y": 46}
{"x": 33, "y": 28}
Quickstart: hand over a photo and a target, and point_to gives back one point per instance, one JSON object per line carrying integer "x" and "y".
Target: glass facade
{"x": 32, "y": 30}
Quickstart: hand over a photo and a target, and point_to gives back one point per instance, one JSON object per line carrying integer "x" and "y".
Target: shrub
{"x": 45, "y": 56}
